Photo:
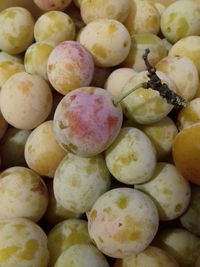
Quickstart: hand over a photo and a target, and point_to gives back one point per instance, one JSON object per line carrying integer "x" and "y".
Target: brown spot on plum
{"x": 178, "y": 207}
{"x": 93, "y": 215}
{"x": 61, "y": 125}
{"x": 129, "y": 231}
{"x": 40, "y": 188}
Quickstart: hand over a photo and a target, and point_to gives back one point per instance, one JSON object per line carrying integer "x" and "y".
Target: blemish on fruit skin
{"x": 182, "y": 28}
{"x": 93, "y": 215}
{"x": 122, "y": 202}
{"x": 99, "y": 51}
{"x": 30, "y": 250}
{"x": 178, "y": 207}
{"x": 7, "y": 252}
{"x": 129, "y": 231}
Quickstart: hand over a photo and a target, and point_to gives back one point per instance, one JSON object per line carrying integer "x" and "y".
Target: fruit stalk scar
{"x": 155, "y": 83}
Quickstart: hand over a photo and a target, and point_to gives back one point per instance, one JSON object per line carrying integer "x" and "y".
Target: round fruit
{"x": 122, "y": 222}
{"x": 131, "y": 158}
{"x": 16, "y": 31}
{"x": 22, "y": 242}
{"x": 86, "y": 121}
{"x": 69, "y": 66}
{"x": 107, "y": 40}
{"x": 186, "y": 153}
{"x": 26, "y": 104}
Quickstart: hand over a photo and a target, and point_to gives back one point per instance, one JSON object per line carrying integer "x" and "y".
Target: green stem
{"x": 140, "y": 85}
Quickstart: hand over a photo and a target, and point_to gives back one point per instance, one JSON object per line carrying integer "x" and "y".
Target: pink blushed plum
{"x": 86, "y": 121}
{"x": 70, "y": 66}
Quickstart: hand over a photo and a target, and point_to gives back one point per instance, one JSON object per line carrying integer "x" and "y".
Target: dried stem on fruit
{"x": 155, "y": 83}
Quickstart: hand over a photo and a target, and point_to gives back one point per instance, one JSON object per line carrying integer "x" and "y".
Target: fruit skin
{"x": 22, "y": 243}
{"x": 107, "y": 40}
{"x": 110, "y": 9}
{"x": 54, "y": 27}
{"x": 151, "y": 256}
{"x": 180, "y": 19}
{"x": 174, "y": 67}
{"x": 86, "y": 121}
{"x": 82, "y": 255}
{"x": 65, "y": 234}
{"x": 188, "y": 46}
{"x": 143, "y": 16}
{"x": 23, "y": 193}
{"x": 146, "y": 106}
{"x": 186, "y": 153}
{"x": 122, "y": 222}
{"x": 69, "y": 66}
{"x": 140, "y": 42}
{"x": 180, "y": 244}
{"x": 169, "y": 191}
{"x": 131, "y": 158}
{"x": 16, "y": 31}
{"x": 78, "y": 182}
{"x": 28, "y": 103}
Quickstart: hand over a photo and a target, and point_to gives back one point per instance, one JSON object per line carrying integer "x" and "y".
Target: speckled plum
{"x": 69, "y": 66}
{"x": 86, "y": 121}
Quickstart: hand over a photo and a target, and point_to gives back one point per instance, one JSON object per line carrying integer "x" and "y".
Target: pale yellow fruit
{"x": 25, "y": 100}
{"x": 180, "y": 19}
{"x": 107, "y": 40}
{"x": 64, "y": 235}
{"x": 174, "y": 66}
{"x": 16, "y": 31}
{"x": 22, "y": 194}
{"x": 181, "y": 244}
{"x": 143, "y": 17}
{"x": 189, "y": 47}
{"x": 151, "y": 256}
{"x": 122, "y": 222}
{"x": 9, "y": 65}
{"x": 54, "y": 27}
{"x": 35, "y": 58}
{"x": 169, "y": 190}
{"x": 78, "y": 182}
{"x": 131, "y": 158}
{"x": 43, "y": 154}
{"x": 146, "y": 106}
{"x": 139, "y": 43}
{"x": 190, "y": 114}
{"x": 22, "y": 243}
{"x": 82, "y": 255}
{"x": 161, "y": 134}
{"x": 108, "y": 9}
{"x": 118, "y": 79}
